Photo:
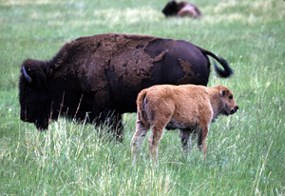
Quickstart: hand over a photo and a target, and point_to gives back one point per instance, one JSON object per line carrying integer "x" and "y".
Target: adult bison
{"x": 181, "y": 9}
{"x": 96, "y": 79}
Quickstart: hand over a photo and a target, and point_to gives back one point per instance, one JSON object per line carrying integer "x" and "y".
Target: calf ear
{"x": 223, "y": 93}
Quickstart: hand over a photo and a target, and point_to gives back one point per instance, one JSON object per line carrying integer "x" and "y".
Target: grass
{"x": 246, "y": 152}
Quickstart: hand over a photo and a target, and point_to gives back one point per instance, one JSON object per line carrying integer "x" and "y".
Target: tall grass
{"x": 246, "y": 151}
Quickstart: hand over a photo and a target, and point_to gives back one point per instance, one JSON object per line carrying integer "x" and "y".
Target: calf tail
{"x": 226, "y": 71}
{"x": 141, "y": 108}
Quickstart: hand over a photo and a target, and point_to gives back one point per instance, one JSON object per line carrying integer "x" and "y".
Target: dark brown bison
{"x": 96, "y": 79}
{"x": 181, "y": 9}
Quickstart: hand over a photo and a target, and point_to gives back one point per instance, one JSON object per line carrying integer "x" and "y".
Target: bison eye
{"x": 230, "y": 97}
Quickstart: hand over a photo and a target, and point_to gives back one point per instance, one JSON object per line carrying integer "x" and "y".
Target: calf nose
{"x": 236, "y": 108}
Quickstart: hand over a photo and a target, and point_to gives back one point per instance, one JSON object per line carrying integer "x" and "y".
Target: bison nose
{"x": 23, "y": 117}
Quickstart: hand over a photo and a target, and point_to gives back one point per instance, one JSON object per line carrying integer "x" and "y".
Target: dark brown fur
{"x": 96, "y": 79}
{"x": 181, "y": 9}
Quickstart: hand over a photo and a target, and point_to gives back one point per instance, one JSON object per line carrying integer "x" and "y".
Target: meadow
{"x": 246, "y": 151}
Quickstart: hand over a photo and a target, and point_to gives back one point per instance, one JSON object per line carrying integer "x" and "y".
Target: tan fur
{"x": 187, "y": 107}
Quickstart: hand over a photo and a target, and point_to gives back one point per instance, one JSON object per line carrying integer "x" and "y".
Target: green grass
{"x": 246, "y": 152}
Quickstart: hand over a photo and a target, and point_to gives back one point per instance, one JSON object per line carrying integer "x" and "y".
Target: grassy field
{"x": 246, "y": 152}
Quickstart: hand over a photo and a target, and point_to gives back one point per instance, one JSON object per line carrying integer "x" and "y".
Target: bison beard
{"x": 96, "y": 79}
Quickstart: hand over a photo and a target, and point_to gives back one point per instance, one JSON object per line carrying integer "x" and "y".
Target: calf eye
{"x": 230, "y": 97}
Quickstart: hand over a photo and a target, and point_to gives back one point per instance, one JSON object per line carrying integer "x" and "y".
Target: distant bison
{"x": 190, "y": 108}
{"x": 181, "y": 9}
{"x": 96, "y": 79}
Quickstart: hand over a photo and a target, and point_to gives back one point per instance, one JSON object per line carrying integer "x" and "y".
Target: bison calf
{"x": 189, "y": 108}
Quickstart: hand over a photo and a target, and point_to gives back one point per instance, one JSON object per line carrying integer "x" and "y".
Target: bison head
{"x": 34, "y": 98}
{"x": 171, "y": 8}
{"x": 229, "y": 105}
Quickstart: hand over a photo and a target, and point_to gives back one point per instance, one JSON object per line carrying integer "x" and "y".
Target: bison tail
{"x": 226, "y": 71}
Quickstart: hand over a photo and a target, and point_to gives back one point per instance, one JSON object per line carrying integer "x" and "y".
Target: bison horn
{"x": 26, "y": 75}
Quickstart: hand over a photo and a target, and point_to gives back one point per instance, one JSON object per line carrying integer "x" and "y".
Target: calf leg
{"x": 138, "y": 138}
{"x": 154, "y": 140}
{"x": 202, "y": 145}
{"x": 185, "y": 140}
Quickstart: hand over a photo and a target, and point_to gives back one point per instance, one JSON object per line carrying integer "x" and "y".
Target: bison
{"x": 96, "y": 79}
{"x": 181, "y": 9}
{"x": 190, "y": 108}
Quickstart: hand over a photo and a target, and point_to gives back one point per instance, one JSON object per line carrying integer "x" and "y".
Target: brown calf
{"x": 191, "y": 108}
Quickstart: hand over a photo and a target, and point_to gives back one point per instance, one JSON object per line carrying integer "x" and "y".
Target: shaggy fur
{"x": 189, "y": 108}
{"x": 96, "y": 79}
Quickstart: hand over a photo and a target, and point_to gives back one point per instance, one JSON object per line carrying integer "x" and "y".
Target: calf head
{"x": 228, "y": 105}
{"x": 33, "y": 96}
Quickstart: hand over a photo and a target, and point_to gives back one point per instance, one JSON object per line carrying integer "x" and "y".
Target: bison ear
{"x": 34, "y": 72}
{"x": 26, "y": 75}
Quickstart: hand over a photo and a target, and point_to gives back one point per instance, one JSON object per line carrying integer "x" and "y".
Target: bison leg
{"x": 185, "y": 136}
{"x": 138, "y": 139}
{"x": 202, "y": 145}
{"x": 113, "y": 120}
{"x": 41, "y": 124}
{"x": 117, "y": 126}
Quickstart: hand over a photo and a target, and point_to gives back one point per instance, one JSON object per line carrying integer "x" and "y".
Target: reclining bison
{"x": 96, "y": 79}
{"x": 181, "y": 9}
